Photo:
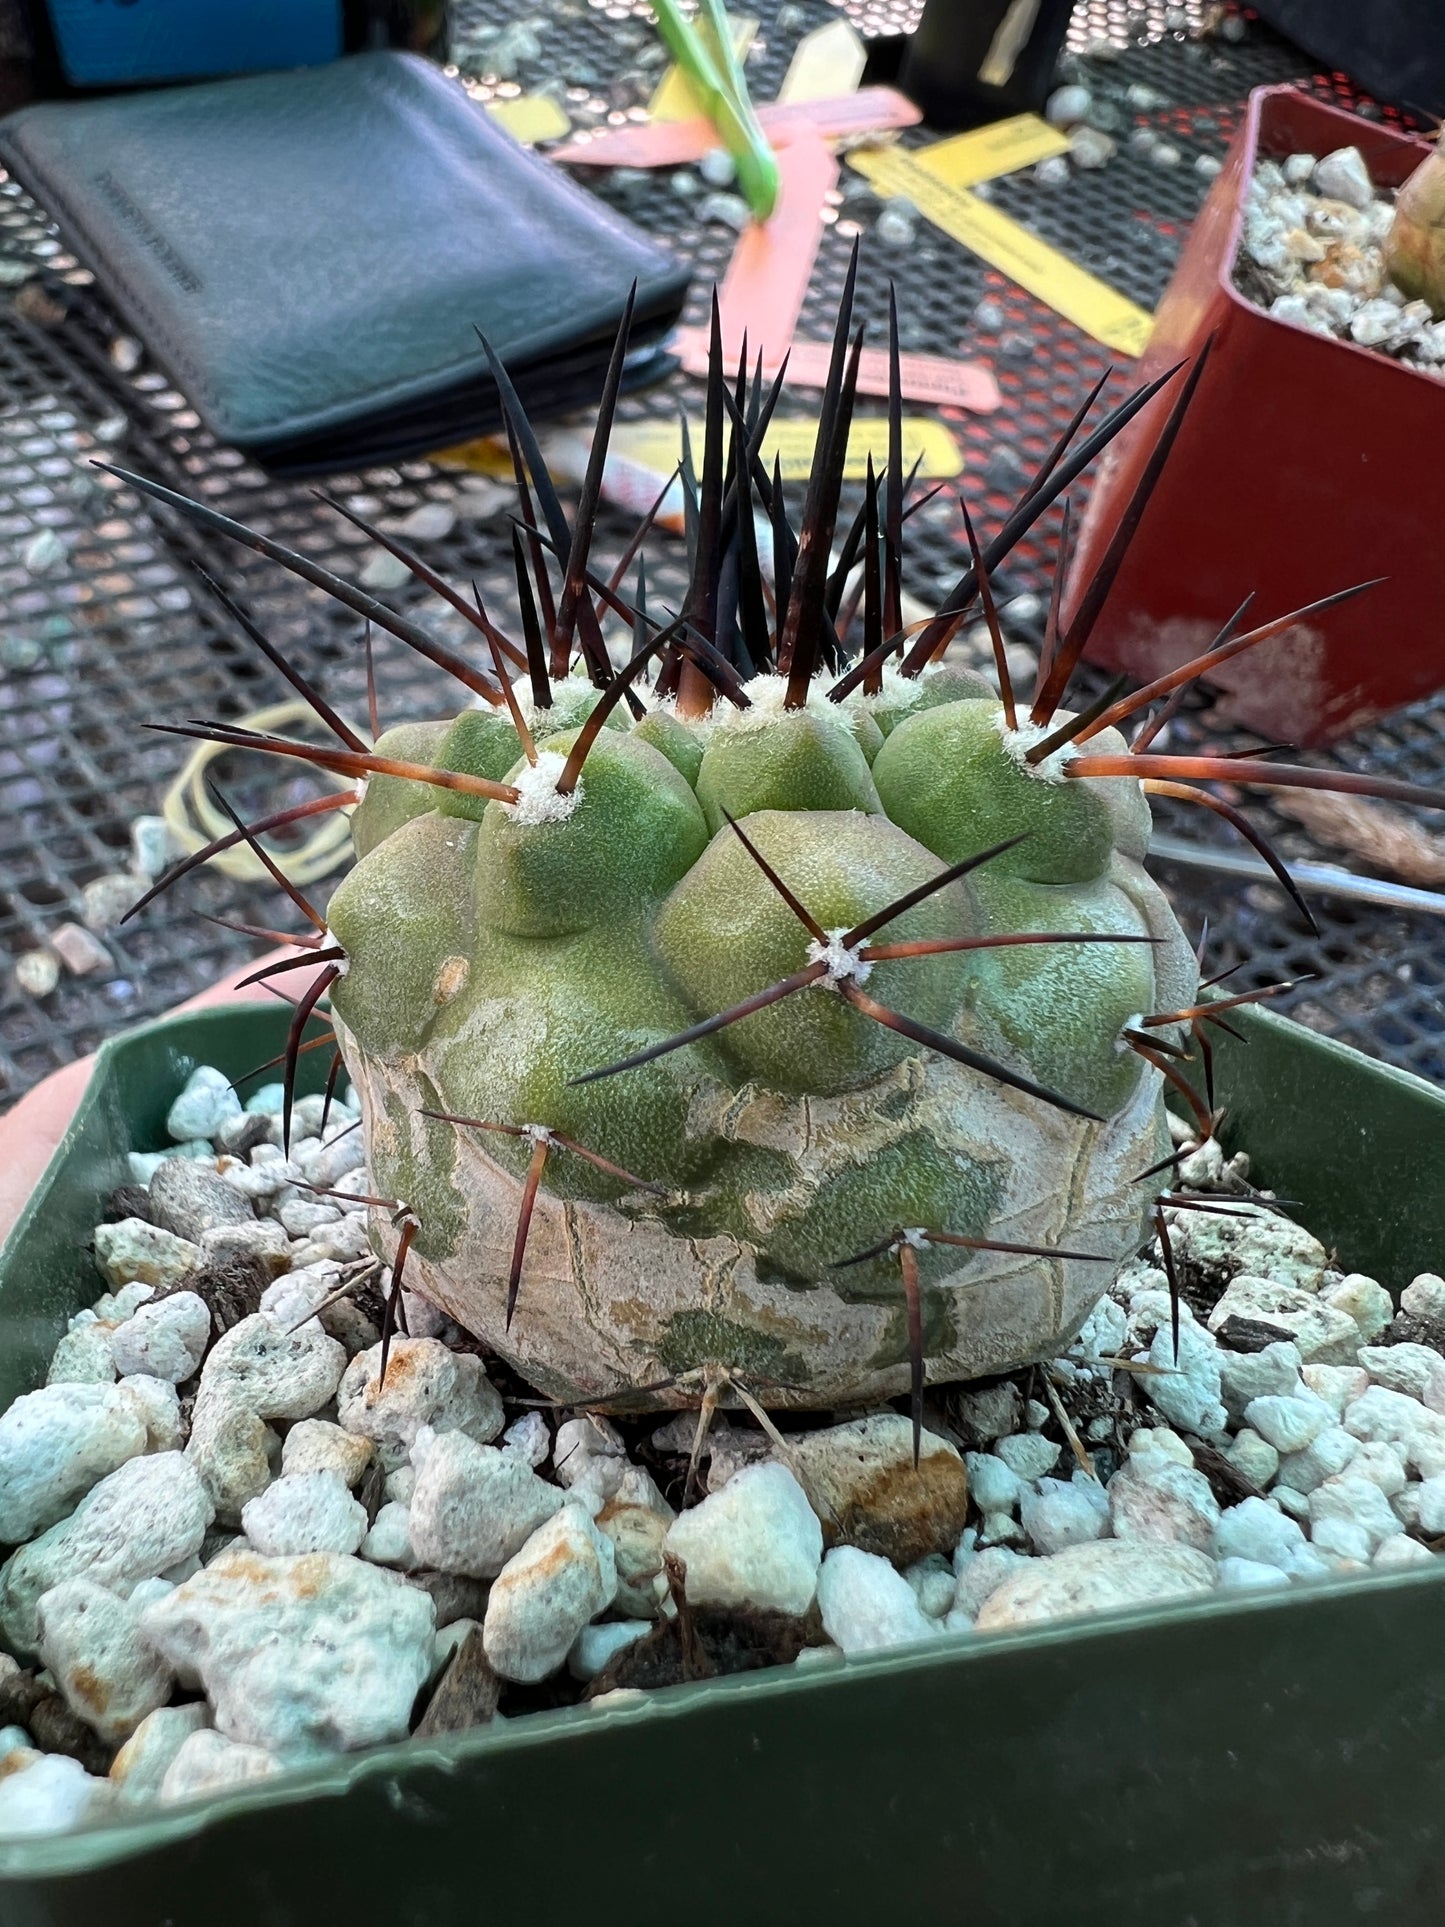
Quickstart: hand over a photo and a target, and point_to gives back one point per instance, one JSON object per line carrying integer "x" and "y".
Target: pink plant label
{"x": 674, "y": 143}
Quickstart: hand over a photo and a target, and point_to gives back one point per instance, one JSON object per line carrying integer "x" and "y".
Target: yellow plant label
{"x": 657, "y": 446}
{"x": 530, "y": 118}
{"x": 674, "y": 98}
{"x": 827, "y": 62}
{"x": 1061, "y": 284}
{"x": 986, "y": 152}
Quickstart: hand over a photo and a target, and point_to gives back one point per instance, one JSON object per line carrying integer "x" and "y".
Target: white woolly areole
{"x": 538, "y": 1133}
{"x": 842, "y": 964}
{"x": 362, "y": 784}
{"x": 328, "y": 938}
{"x": 913, "y": 1235}
{"x": 1121, "y": 1042}
{"x": 563, "y": 690}
{"x": 896, "y": 691}
{"x": 536, "y": 787}
{"x": 1018, "y": 742}
{"x": 768, "y": 696}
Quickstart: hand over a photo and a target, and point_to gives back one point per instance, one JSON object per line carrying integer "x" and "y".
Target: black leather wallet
{"x": 310, "y": 255}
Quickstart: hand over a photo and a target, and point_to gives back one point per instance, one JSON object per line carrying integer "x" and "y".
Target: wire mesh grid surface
{"x": 105, "y": 627}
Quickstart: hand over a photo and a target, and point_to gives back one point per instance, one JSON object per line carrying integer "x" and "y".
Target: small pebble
{"x": 1256, "y": 1530}
{"x": 597, "y": 1646}
{"x": 1343, "y": 176}
{"x": 1103, "y": 1577}
{"x": 993, "y": 1486}
{"x": 894, "y": 227}
{"x": 205, "y": 1762}
{"x": 141, "y": 1764}
{"x": 105, "y": 900}
{"x": 304, "y": 1512}
{"x": 866, "y": 1605}
{"x": 427, "y": 522}
{"x": 757, "y": 1543}
{"x": 79, "y": 950}
{"x": 37, "y": 972}
{"x": 1052, "y": 171}
{"x": 166, "y": 1340}
{"x": 474, "y": 1507}
{"x": 989, "y": 316}
{"x": 1250, "y": 1573}
{"x": 529, "y": 1438}
{"x": 1089, "y": 148}
{"x": 388, "y": 1543}
{"x": 151, "y": 845}
{"x": 716, "y": 167}
{"x": 1055, "y": 1514}
{"x": 1342, "y": 1542}
{"x": 44, "y": 553}
{"x": 1327, "y": 1454}
{"x": 1028, "y": 1455}
{"x": 546, "y": 1593}
{"x": 90, "y": 1640}
{"x": 1065, "y": 105}
{"x": 1359, "y": 1502}
{"x": 1289, "y": 1424}
{"x": 1187, "y": 1387}
{"x": 303, "y": 1656}
{"x": 934, "y": 1586}
{"x": 728, "y": 210}
{"x": 384, "y": 571}
{"x": 1162, "y": 1503}
{"x": 205, "y": 1104}
{"x": 50, "y": 1795}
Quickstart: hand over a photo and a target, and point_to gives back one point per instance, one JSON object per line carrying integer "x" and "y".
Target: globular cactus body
{"x": 493, "y": 959}
{"x": 1415, "y": 244}
{"x": 790, "y": 1036}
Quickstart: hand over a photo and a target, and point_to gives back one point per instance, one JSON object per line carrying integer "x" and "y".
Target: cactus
{"x": 1415, "y": 244}
{"x": 782, "y": 1017}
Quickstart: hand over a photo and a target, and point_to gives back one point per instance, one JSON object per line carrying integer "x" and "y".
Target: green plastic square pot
{"x": 1276, "y": 1758}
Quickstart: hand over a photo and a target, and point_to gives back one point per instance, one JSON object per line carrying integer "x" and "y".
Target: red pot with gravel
{"x": 1302, "y": 465}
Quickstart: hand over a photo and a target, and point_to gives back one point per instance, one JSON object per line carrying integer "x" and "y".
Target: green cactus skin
{"x": 492, "y": 959}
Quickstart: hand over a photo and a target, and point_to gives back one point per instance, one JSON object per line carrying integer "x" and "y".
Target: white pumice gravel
{"x": 140, "y": 1767}
{"x": 597, "y": 1646}
{"x": 304, "y": 1512}
{"x": 55, "y": 1445}
{"x": 316, "y": 1445}
{"x": 225, "y": 1502}
{"x": 474, "y": 1506}
{"x": 564, "y": 1576}
{"x": 758, "y": 1542}
{"x": 426, "y": 1385}
{"x": 305, "y": 1655}
{"x": 206, "y": 1762}
{"x": 164, "y": 1338}
{"x": 134, "y": 1525}
{"x": 51, "y": 1795}
{"x": 866, "y": 1604}
{"x": 1311, "y": 253}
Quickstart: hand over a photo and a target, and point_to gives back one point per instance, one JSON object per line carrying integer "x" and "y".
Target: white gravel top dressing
{"x": 1310, "y": 252}
{"x": 234, "y": 1550}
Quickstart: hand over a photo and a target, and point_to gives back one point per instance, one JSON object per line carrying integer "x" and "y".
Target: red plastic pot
{"x": 1304, "y": 464}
